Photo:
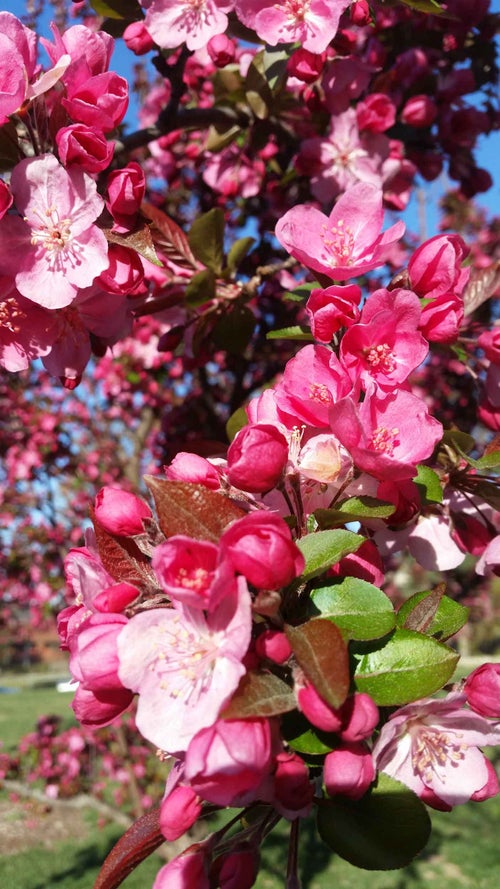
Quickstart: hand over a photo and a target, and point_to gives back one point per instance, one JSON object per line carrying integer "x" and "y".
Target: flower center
{"x": 319, "y": 392}
{"x": 385, "y": 440}
{"x": 381, "y": 358}
{"x": 196, "y": 579}
{"x": 188, "y": 659}
{"x": 339, "y": 241}
{"x": 11, "y": 316}
{"x": 52, "y": 233}
{"x": 296, "y": 10}
{"x": 432, "y": 750}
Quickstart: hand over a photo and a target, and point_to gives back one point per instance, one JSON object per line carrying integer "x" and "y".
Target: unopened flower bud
{"x": 121, "y": 512}
{"x": 349, "y": 771}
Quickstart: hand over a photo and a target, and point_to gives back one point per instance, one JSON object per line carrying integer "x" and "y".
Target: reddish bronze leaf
{"x": 191, "y": 509}
{"x": 123, "y": 559}
{"x": 260, "y": 694}
{"x": 139, "y": 841}
{"x": 170, "y": 238}
{"x": 321, "y": 651}
{"x": 140, "y": 240}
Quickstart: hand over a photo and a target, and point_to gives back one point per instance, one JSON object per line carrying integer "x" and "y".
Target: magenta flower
{"x": 312, "y": 23}
{"x": 432, "y": 747}
{"x": 346, "y": 243}
{"x": 386, "y": 436}
{"x": 193, "y": 22}
{"x": 54, "y": 249}
{"x": 185, "y": 666}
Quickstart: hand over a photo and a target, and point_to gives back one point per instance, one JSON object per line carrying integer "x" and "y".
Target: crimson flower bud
{"x": 137, "y": 38}
{"x": 349, "y": 771}
{"x": 482, "y": 689}
{"x": 256, "y": 458}
{"x": 120, "y": 512}
{"x": 221, "y": 50}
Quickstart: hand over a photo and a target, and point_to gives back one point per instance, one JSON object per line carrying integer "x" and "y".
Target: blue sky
{"x": 487, "y": 151}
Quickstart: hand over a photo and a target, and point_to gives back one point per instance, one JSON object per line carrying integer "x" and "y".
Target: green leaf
{"x": 301, "y": 293}
{"x": 191, "y": 509}
{"x": 382, "y": 831}
{"x": 487, "y": 461}
{"x": 432, "y": 613}
{"x": 403, "y": 668}
{"x": 233, "y": 330}
{"x": 430, "y": 6}
{"x": 236, "y": 421}
{"x": 322, "y": 654}
{"x": 302, "y": 737}
{"x": 428, "y": 484}
{"x": 201, "y": 288}
{"x": 220, "y": 135}
{"x": 323, "y": 549}
{"x": 458, "y": 441}
{"x": 358, "y": 608}
{"x": 116, "y": 9}
{"x": 356, "y": 509}
{"x": 294, "y": 332}
{"x": 274, "y": 62}
{"x": 238, "y": 251}
{"x": 265, "y": 77}
{"x": 206, "y": 239}
{"x": 260, "y": 694}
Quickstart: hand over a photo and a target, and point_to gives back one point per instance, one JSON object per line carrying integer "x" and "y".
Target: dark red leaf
{"x": 139, "y": 841}
{"x": 321, "y": 651}
{"x": 191, "y": 509}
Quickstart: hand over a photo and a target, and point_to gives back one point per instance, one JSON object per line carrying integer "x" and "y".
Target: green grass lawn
{"x": 463, "y": 851}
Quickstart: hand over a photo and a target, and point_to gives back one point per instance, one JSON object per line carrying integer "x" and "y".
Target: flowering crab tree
{"x": 218, "y": 298}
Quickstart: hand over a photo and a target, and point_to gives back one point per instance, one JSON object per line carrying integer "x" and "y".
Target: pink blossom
{"x": 312, "y": 23}
{"x": 293, "y": 791}
{"x": 189, "y": 870}
{"x": 313, "y": 381}
{"x": 222, "y": 50}
{"x": 120, "y": 512}
{"x": 6, "y": 199}
{"x": 106, "y": 319}
{"x": 348, "y": 770}
{"x": 179, "y": 810}
{"x": 385, "y": 347}
{"x": 435, "y": 267}
{"x": 365, "y": 563}
{"x": 126, "y": 188}
{"x": 230, "y": 172}
{"x": 260, "y": 547}
{"x": 185, "y": 666}
{"x": 376, "y": 113}
{"x": 190, "y": 572}
{"x": 441, "y": 318}
{"x": 228, "y": 762}
{"x": 419, "y": 111}
{"x": 26, "y": 330}
{"x": 54, "y": 249}
{"x": 85, "y": 147}
{"x": 188, "y": 467}
{"x": 94, "y": 657}
{"x": 90, "y": 53}
{"x": 274, "y": 645}
{"x": 345, "y": 244}
{"x": 322, "y": 459}
{"x": 341, "y": 159}
{"x": 102, "y": 707}
{"x": 388, "y": 436}
{"x": 256, "y": 458}
{"x": 125, "y": 272}
{"x": 490, "y": 559}
{"x": 101, "y": 101}
{"x": 432, "y": 747}
{"x": 137, "y": 38}
{"x": 305, "y": 65}
{"x": 239, "y": 868}
{"x": 193, "y": 22}
{"x": 482, "y": 689}
{"x": 331, "y": 309}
